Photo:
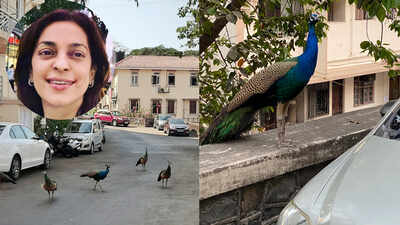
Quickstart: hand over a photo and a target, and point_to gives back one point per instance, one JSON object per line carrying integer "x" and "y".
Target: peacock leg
{"x": 166, "y": 183}
{"x": 282, "y": 114}
{"x": 101, "y": 188}
{"x": 94, "y": 188}
{"x": 49, "y": 194}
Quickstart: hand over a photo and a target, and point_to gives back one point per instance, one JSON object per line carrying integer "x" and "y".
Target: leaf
{"x": 381, "y": 14}
{"x": 212, "y": 11}
{"x": 365, "y": 44}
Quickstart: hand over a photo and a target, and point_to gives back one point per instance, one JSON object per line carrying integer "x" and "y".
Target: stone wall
{"x": 249, "y": 181}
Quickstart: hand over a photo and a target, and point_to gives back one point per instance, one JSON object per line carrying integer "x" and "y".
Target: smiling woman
{"x": 62, "y": 65}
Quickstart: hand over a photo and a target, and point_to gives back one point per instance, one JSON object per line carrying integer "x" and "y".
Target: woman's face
{"x": 61, "y": 65}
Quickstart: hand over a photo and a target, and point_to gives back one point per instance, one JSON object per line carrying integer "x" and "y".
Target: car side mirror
{"x": 35, "y": 138}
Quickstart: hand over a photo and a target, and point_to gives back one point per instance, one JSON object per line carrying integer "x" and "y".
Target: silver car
{"x": 360, "y": 187}
{"x": 160, "y": 120}
{"x": 88, "y": 132}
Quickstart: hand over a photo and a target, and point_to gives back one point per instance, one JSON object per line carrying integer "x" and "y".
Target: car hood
{"x": 361, "y": 187}
{"x": 77, "y": 135}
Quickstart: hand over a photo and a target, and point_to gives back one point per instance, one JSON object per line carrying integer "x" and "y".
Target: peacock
{"x": 97, "y": 176}
{"x": 49, "y": 185}
{"x": 143, "y": 160}
{"x": 275, "y": 85}
{"x": 6, "y": 177}
{"x": 165, "y": 175}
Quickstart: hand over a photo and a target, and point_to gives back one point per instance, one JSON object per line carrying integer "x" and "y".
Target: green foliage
{"x": 163, "y": 51}
{"x": 48, "y": 6}
{"x": 268, "y": 39}
{"x": 52, "y": 127}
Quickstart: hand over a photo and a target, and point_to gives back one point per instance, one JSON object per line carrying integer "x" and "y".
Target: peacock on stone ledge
{"x": 275, "y": 85}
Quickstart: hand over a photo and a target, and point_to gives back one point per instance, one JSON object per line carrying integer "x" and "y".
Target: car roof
{"x": 9, "y": 123}
{"x": 82, "y": 121}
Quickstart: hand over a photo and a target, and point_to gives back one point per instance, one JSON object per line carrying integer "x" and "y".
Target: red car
{"x": 114, "y": 118}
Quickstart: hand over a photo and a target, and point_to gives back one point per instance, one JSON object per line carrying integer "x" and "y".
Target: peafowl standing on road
{"x": 143, "y": 160}
{"x": 275, "y": 85}
{"x": 49, "y": 185}
{"x": 6, "y": 177}
{"x": 165, "y": 175}
{"x": 97, "y": 176}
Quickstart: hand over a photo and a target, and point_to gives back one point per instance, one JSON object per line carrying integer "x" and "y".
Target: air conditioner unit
{"x": 163, "y": 90}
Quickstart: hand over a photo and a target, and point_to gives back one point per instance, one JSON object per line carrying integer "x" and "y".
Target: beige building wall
{"x": 182, "y": 92}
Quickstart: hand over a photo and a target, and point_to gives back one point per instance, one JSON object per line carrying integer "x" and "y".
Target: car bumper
{"x": 179, "y": 132}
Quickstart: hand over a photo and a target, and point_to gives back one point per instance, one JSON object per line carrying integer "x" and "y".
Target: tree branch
{"x": 207, "y": 39}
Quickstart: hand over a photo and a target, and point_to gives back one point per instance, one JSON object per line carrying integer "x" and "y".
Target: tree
{"x": 269, "y": 39}
{"x": 162, "y": 51}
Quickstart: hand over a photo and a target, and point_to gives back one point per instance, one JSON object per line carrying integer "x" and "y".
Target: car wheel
{"x": 101, "y": 147}
{"x": 46, "y": 160}
{"x": 169, "y": 133}
{"x": 91, "y": 151}
{"x": 15, "y": 170}
{"x": 114, "y": 123}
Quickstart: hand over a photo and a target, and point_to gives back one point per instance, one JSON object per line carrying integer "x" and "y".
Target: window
{"x": 364, "y": 89}
{"x": 29, "y": 134}
{"x": 156, "y": 106}
{"x": 318, "y": 100}
{"x": 193, "y": 106}
{"x": 134, "y": 80}
{"x": 337, "y": 10}
{"x": 171, "y": 106}
{"x": 171, "y": 79}
{"x": 361, "y": 14}
{"x": 134, "y": 105}
{"x": 19, "y": 134}
{"x": 193, "y": 80}
{"x": 155, "y": 79}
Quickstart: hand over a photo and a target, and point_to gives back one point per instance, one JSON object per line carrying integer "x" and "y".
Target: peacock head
{"x": 107, "y": 166}
{"x": 314, "y": 18}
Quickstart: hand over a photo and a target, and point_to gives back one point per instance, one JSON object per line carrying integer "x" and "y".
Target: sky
{"x": 151, "y": 24}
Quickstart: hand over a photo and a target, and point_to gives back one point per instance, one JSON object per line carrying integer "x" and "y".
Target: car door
{"x": 23, "y": 146}
{"x": 37, "y": 148}
{"x": 96, "y": 134}
{"x": 7, "y": 148}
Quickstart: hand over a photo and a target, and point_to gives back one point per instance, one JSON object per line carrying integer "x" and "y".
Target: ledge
{"x": 251, "y": 159}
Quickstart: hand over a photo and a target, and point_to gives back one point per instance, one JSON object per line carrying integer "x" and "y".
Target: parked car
{"x": 386, "y": 107}
{"x": 88, "y": 132}
{"x": 176, "y": 126}
{"x": 114, "y": 118}
{"x": 21, "y": 148}
{"x": 160, "y": 120}
{"x": 359, "y": 187}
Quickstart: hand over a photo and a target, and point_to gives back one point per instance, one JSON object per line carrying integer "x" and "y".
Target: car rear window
{"x": 2, "y": 127}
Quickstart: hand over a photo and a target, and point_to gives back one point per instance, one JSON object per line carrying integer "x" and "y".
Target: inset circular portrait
{"x": 61, "y": 68}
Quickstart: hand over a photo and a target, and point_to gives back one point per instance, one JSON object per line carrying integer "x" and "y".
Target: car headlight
{"x": 292, "y": 215}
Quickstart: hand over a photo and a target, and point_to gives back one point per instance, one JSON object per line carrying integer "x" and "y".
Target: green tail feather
{"x": 232, "y": 125}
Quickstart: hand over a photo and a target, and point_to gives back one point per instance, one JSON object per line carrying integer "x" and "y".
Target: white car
{"x": 20, "y": 148}
{"x": 88, "y": 132}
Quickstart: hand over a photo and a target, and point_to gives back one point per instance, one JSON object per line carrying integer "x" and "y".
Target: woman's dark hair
{"x": 27, "y": 94}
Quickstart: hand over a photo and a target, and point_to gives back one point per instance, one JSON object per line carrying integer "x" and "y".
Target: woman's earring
{"x": 91, "y": 84}
{"x": 30, "y": 82}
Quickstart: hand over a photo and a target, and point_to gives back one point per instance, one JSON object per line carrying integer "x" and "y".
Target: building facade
{"x": 157, "y": 85}
{"x": 345, "y": 79}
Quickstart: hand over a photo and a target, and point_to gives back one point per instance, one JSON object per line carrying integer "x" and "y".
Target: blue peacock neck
{"x": 308, "y": 60}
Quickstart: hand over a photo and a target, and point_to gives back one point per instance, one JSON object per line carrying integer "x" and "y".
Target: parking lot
{"x": 131, "y": 194}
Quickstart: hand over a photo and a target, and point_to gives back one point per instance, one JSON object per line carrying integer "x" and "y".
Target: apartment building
{"x": 11, "y": 109}
{"x": 157, "y": 84}
{"x": 345, "y": 79}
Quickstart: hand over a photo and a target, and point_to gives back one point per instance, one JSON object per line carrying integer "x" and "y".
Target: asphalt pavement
{"x": 131, "y": 194}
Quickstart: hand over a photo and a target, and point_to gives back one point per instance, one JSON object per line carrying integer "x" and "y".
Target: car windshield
{"x": 79, "y": 128}
{"x": 391, "y": 126}
{"x": 116, "y": 113}
{"x": 178, "y": 121}
{"x": 2, "y": 127}
{"x": 164, "y": 117}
